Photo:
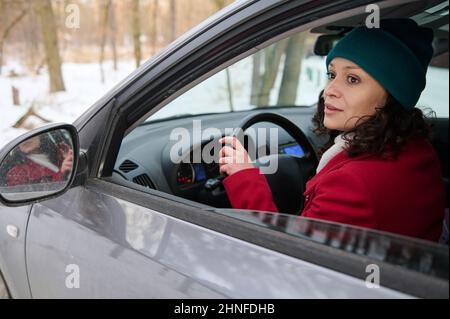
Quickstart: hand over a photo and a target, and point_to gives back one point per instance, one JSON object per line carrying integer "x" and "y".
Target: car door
{"x": 13, "y": 223}
{"x": 101, "y": 246}
{"x": 103, "y": 240}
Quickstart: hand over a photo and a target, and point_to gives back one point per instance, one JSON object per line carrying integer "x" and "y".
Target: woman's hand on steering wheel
{"x": 233, "y": 157}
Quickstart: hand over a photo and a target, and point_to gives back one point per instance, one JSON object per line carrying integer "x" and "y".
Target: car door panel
{"x": 95, "y": 235}
{"x": 12, "y": 250}
{"x": 128, "y": 251}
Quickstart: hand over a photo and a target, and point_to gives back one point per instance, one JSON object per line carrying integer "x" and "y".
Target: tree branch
{"x": 12, "y": 24}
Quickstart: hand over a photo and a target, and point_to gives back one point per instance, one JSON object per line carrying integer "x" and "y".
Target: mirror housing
{"x": 39, "y": 165}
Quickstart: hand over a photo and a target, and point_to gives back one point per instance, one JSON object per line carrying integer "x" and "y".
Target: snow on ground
{"x": 83, "y": 88}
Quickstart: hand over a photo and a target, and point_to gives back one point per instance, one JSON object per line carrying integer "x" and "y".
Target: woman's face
{"x": 31, "y": 145}
{"x": 351, "y": 93}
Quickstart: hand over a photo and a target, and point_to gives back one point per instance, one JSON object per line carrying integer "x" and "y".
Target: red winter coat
{"x": 404, "y": 196}
{"x": 31, "y": 173}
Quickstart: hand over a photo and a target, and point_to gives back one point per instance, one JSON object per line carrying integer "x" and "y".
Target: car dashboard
{"x": 146, "y": 155}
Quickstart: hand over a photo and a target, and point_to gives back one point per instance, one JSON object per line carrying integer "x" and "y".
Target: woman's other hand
{"x": 233, "y": 157}
{"x": 67, "y": 164}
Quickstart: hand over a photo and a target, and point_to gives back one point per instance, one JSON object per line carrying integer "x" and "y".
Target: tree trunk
{"x": 103, "y": 33}
{"x": 136, "y": 31}
{"x": 173, "y": 20}
{"x": 272, "y": 58}
{"x": 34, "y": 54}
{"x": 292, "y": 70}
{"x": 49, "y": 35}
{"x": 154, "y": 31}
{"x": 8, "y": 30}
{"x": 256, "y": 79}
{"x": 15, "y": 95}
{"x": 229, "y": 89}
{"x": 219, "y": 3}
{"x": 112, "y": 37}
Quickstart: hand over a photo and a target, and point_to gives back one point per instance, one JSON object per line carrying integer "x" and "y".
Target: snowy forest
{"x": 57, "y": 57}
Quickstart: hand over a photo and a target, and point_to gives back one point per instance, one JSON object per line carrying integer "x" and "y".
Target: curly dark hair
{"x": 383, "y": 133}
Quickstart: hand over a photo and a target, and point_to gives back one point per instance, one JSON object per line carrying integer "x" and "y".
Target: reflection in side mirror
{"x": 40, "y": 166}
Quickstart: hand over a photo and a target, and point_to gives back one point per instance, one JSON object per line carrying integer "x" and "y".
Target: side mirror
{"x": 325, "y": 43}
{"x": 38, "y": 165}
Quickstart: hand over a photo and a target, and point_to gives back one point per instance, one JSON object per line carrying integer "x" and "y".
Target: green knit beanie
{"x": 397, "y": 55}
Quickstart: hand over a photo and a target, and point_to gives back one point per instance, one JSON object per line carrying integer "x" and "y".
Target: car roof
{"x": 432, "y": 14}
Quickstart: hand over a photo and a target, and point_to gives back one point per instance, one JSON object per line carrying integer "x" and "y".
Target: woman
{"x": 378, "y": 170}
{"x": 39, "y": 160}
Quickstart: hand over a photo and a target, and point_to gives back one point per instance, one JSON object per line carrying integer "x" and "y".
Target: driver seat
{"x": 439, "y": 140}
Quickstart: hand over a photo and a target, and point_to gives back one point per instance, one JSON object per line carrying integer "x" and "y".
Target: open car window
{"x": 435, "y": 97}
{"x": 286, "y": 73}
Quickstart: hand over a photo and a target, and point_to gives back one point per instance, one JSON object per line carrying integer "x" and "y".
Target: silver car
{"x": 124, "y": 220}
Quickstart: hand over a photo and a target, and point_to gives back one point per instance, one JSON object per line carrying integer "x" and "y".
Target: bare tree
{"x": 103, "y": 33}
{"x": 136, "y": 31}
{"x": 173, "y": 20}
{"x": 8, "y": 29}
{"x": 95, "y": 41}
{"x": 292, "y": 68}
{"x": 154, "y": 27}
{"x": 112, "y": 33}
{"x": 49, "y": 36}
{"x": 272, "y": 59}
{"x": 219, "y": 4}
{"x": 256, "y": 78}
{"x": 35, "y": 57}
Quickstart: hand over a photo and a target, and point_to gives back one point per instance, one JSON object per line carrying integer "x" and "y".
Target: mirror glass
{"x": 39, "y": 166}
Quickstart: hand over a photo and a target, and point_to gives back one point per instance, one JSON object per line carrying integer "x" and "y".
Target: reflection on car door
{"x": 123, "y": 250}
{"x": 114, "y": 248}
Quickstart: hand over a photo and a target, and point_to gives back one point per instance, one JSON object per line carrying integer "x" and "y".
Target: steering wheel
{"x": 288, "y": 182}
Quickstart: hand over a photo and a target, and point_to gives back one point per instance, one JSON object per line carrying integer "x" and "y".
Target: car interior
{"x": 144, "y": 160}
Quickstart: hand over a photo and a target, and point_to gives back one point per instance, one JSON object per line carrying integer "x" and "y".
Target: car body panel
{"x": 127, "y": 251}
{"x": 12, "y": 250}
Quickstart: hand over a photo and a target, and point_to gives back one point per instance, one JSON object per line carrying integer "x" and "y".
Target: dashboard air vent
{"x": 144, "y": 180}
{"x": 128, "y": 166}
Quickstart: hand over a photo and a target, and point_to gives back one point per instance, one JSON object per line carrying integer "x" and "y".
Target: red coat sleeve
{"x": 31, "y": 173}
{"x": 17, "y": 176}
{"x": 342, "y": 197}
{"x": 58, "y": 176}
{"x": 248, "y": 189}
